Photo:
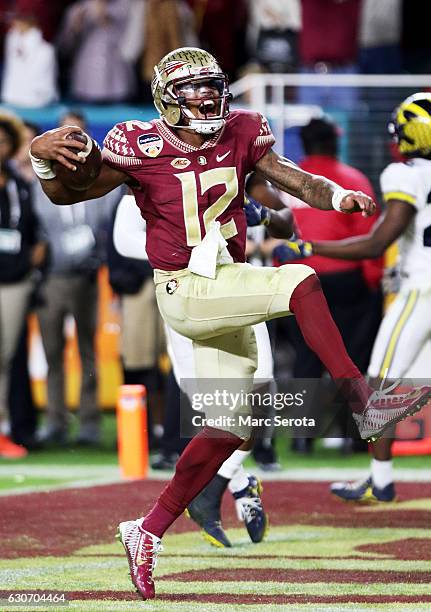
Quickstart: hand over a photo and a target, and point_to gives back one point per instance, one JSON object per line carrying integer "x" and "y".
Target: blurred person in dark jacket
{"x": 77, "y": 238}
{"x": 22, "y": 408}
{"x": 22, "y": 252}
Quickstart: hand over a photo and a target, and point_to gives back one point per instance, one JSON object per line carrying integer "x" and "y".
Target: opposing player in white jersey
{"x": 406, "y": 327}
{"x": 129, "y": 240}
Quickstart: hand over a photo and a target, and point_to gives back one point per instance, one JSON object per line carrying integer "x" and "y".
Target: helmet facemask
{"x": 210, "y": 97}
{"x": 191, "y": 92}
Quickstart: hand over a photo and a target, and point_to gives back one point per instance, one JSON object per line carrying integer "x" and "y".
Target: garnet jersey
{"x": 182, "y": 189}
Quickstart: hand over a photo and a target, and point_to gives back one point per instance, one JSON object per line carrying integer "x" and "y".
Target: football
{"x": 85, "y": 174}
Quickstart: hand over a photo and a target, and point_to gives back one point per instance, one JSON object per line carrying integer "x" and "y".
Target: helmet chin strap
{"x": 207, "y": 126}
{"x": 200, "y": 126}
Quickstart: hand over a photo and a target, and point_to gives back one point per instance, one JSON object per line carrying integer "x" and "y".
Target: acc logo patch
{"x": 172, "y": 286}
{"x": 180, "y": 162}
{"x": 150, "y": 144}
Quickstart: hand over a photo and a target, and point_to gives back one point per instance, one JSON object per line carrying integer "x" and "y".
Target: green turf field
{"x": 106, "y": 454}
{"x": 53, "y": 466}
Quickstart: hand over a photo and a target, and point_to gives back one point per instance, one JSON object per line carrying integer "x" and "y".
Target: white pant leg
{"x": 180, "y": 350}
{"x": 265, "y": 361}
{"x": 403, "y": 332}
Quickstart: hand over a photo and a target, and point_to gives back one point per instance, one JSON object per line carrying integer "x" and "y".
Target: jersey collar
{"x": 176, "y": 142}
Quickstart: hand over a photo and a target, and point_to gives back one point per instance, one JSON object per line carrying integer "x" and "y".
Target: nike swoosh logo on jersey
{"x": 220, "y": 158}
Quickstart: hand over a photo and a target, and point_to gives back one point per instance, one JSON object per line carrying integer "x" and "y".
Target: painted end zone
{"x": 320, "y": 553}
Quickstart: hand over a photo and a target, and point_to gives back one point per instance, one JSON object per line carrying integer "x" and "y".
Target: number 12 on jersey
{"x": 206, "y": 180}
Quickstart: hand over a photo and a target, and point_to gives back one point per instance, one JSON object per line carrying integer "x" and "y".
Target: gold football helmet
{"x": 411, "y": 125}
{"x": 190, "y": 76}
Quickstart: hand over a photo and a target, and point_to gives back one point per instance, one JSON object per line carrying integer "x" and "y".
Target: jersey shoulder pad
{"x": 252, "y": 134}
{"x": 399, "y": 181}
{"x": 254, "y": 126}
{"x": 120, "y": 146}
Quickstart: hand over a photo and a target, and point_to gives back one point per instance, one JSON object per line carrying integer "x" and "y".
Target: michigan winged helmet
{"x": 180, "y": 78}
{"x": 411, "y": 125}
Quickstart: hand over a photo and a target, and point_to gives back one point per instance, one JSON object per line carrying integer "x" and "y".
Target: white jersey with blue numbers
{"x": 410, "y": 182}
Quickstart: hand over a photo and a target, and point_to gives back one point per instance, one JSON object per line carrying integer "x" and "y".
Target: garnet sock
{"x": 197, "y": 465}
{"x": 314, "y": 319}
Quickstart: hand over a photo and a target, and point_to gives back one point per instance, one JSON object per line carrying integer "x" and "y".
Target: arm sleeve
{"x": 130, "y": 229}
{"x": 399, "y": 182}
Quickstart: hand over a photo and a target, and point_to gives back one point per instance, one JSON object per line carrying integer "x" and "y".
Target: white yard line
{"x": 89, "y": 476}
{"x": 331, "y": 473}
{"x": 59, "y": 471}
{"x": 81, "y": 484}
{"x": 321, "y": 474}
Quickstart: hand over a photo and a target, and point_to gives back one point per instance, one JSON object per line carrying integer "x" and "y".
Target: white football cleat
{"x": 142, "y": 549}
{"x": 384, "y": 410}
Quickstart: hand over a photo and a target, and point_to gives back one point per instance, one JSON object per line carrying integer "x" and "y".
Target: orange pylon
{"x": 132, "y": 431}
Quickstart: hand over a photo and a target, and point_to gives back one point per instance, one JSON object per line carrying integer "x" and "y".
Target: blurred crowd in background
{"x": 103, "y": 52}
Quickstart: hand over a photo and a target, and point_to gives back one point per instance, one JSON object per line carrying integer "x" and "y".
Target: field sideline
{"x": 320, "y": 554}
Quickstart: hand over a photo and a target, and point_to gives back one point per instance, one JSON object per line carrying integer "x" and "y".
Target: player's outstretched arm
{"x": 316, "y": 191}
{"x": 51, "y": 146}
{"x": 263, "y": 206}
{"x": 281, "y": 224}
{"x": 369, "y": 246}
{"x": 278, "y": 223}
{"x": 390, "y": 227}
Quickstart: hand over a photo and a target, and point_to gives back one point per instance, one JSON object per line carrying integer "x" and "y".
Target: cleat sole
{"x": 365, "y": 501}
{"x": 259, "y": 489}
{"x": 213, "y": 541}
{"x": 207, "y": 536}
{"x": 265, "y": 531}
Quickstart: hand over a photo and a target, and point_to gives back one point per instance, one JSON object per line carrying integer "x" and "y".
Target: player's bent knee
{"x": 295, "y": 272}
{"x": 291, "y": 275}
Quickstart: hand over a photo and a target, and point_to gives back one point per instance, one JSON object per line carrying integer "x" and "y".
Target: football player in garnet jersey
{"x": 405, "y": 329}
{"x": 187, "y": 171}
{"x": 129, "y": 240}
